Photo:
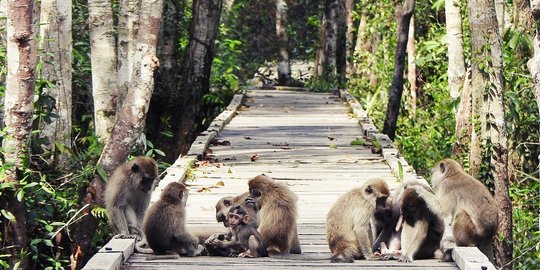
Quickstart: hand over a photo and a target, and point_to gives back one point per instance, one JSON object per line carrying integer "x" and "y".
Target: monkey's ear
{"x": 442, "y": 167}
{"x": 227, "y": 202}
{"x": 135, "y": 168}
{"x": 369, "y": 189}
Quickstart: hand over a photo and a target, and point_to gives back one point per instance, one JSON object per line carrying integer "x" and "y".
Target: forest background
{"x": 101, "y": 80}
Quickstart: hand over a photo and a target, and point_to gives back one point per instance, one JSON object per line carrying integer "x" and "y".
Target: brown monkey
{"x": 348, "y": 221}
{"x": 225, "y": 203}
{"x": 467, "y": 202}
{"x": 128, "y": 194}
{"x": 422, "y": 229}
{"x": 245, "y": 239}
{"x": 165, "y": 223}
{"x": 277, "y": 214}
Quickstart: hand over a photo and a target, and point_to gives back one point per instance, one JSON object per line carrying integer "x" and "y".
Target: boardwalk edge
{"x": 465, "y": 257}
{"x": 116, "y": 252}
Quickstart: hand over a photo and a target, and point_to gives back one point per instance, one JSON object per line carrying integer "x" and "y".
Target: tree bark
{"x": 284, "y": 65}
{"x": 166, "y": 98}
{"x": 487, "y": 82}
{"x": 329, "y": 68}
{"x": 349, "y": 9}
{"x": 19, "y": 109}
{"x": 523, "y": 18}
{"x": 196, "y": 69}
{"x": 128, "y": 24}
{"x": 3, "y": 16}
{"x": 454, "y": 39}
{"x": 129, "y": 125}
{"x": 103, "y": 60}
{"x": 411, "y": 74}
{"x": 394, "y": 101}
{"x": 320, "y": 59}
{"x": 463, "y": 120}
{"x": 55, "y": 32}
{"x": 534, "y": 63}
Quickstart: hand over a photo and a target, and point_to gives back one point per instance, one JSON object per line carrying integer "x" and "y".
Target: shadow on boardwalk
{"x": 300, "y": 138}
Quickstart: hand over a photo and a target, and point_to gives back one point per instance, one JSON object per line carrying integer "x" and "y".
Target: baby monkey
{"x": 245, "y": 238}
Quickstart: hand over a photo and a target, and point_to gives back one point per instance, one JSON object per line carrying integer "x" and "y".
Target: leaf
{"x": 254, "y": 157}
{"x": 204, "y": 189}
{"x": 220, "y": 184}
{"x": 101, "y": 172}
{"x": 20, "y": 195}
{"x": 400, "y": 170}
{"x": 159, "y": 152}
{"x": 333, "y": 146}
{"x": 8, "y": 215}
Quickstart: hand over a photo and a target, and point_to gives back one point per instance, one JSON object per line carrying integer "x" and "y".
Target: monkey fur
{"x": 467, "y": 202}
{"x": 246, "y": 240}
{"x": 165, "y": 223}
{"x": 348, "y": 221}
{"x": 127, "y": 195}
{"x": 422, "y": 229}
{"x": 277, "y": 214}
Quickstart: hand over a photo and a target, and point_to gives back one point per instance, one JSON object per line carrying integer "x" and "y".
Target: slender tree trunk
{"x": 166, "y": 98}
{"x": 103, "y": 61}
{"x": 454, "y": 39}
{"x": 284, "y": 65}
{"x": 394, "y": 102}
{"x": 19, "y": 109}
{"x": 55, "y": 32}
{"x": 463, "y": 120}
{"x": 534, "y": 63}
{"x": 349, "y": 9}
{"x": 320, "y": 54}
{"x": 197, "y": 64}
{"x": 128, "y": 24}
{"x": 130, "y": 124}
{"x": 341, "y": 42}
{"x": 500, "y": 11}
{"x": 3, "y": 16}
{"x": 329, "y": 69}
{"x": 487, "y": 82}
{"x": 411, "y": 74}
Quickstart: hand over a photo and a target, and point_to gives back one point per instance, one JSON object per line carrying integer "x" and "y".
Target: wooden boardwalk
{"x": 300, "y": 138}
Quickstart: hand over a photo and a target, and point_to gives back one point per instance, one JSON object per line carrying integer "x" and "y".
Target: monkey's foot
{"x": 404, "y": 258}
{"x": 246, "y": 254}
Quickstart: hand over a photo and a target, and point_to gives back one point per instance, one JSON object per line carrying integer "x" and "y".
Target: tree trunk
{"x": 320, "y": 58}
{"x": 3, "y": 16}
{"x": 394, "y": 101}
{"x": 55, "y": 32}
{"x": 284, "y": 66}
{"x": 103, "y": 61}
{"x": 534, "y": 63}
{"x": 523, "y": 18}
{"x": 128, "y": 24}
{"x": 196, "y": 69}
{"x": 19, "y": 109}
{"x": 487, "y": 82}
{"x": 349, "y": 9}
{"x": 130, "y": 123}
{"x": 463, "y": 120}
{"x": 454, "y": 39}
{"x": 329, "y": 68}
{"x": 500, "y": 11}
{"x": 166, "y": 98}
{"x": 341, "y": 42}
{"x": 411, "y": 74}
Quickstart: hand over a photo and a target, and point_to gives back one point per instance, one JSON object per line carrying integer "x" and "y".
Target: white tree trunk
{"x": 534, "y": 63}
{"x": 349, "y": 8}
{"x": 19, "y": 109}
{"x": 128, "y": 24}
{"x": 411, "y": 66}
{"x": 55, "y": 32}
{"x": 103, "y": 61}
{"x": 132, "y": 114}
{"x": 454, "y": 39}
{"x": 284, "y": 65}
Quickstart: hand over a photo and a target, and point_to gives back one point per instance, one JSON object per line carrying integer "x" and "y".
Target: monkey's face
{"x": 437, "y": 173}
{"x": 146, "y": 184}
{"x": 222, "y": 208}
{"x": 255, "y": 197}
{"x": 234, "y": 219}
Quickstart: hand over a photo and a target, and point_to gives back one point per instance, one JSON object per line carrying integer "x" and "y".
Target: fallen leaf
{"x": 220, "y": 184}
{"x": 247, "y": 138}
{"x": 254, "y": 157}
{"x": 330, "y": 138}
{"x": 204, "y": 189}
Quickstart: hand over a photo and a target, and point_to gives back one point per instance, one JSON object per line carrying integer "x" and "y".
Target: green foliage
{"x": 525, "y": 195}
{"x": 358, "y": 142}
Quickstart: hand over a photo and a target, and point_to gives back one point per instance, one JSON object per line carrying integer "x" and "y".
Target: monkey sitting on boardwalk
{"x": 348, "y": 222}
{"x": 468, "y": 202}
{"x": 245, "y": 238}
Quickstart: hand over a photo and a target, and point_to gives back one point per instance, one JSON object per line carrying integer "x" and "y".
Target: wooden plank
{"x": 471, "y": 258}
